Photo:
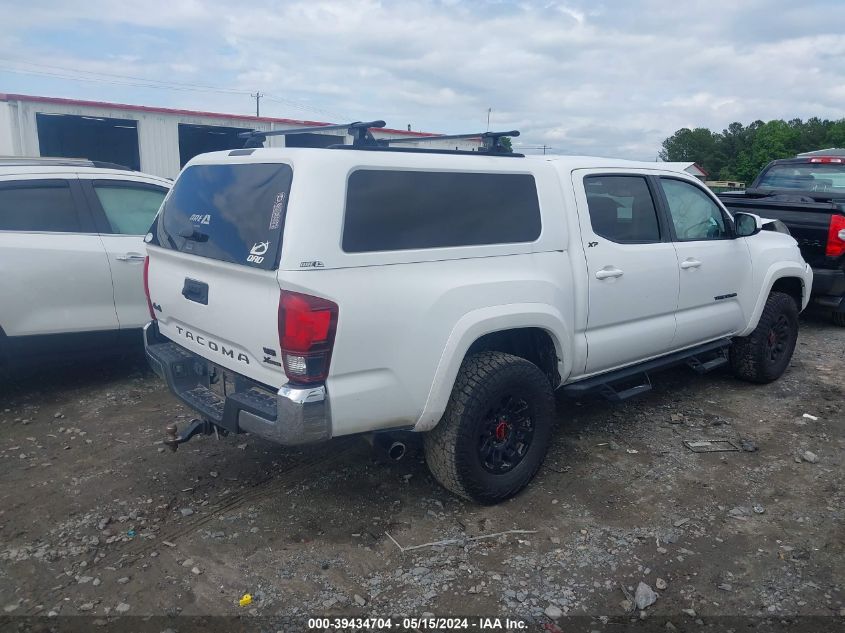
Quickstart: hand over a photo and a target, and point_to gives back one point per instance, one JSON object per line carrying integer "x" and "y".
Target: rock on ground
{"x": 644, "y": 597}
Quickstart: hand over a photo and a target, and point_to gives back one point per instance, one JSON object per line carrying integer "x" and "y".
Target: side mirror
{"x": 747, "y": 224}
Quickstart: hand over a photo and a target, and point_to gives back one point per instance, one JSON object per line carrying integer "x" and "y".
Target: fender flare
{"x": 476, "y": 324}
{"x": 779, "y": 271}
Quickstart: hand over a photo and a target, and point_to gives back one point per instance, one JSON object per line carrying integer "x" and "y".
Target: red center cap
{"x": 502, "y": 430}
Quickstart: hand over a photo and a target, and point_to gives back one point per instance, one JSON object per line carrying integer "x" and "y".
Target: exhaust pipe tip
{"x": 396, "y": 451}
{"x": 386, "y": 447}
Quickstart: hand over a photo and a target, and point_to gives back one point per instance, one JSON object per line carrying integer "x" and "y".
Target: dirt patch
{"x": 96, "y": 517}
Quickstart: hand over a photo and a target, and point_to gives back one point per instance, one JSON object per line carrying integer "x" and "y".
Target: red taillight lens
{"x": 836, "y": 236}
{"x": 307, "y": 328}
{"x": 826, "y": 159}
{"x": 147, "y": 287}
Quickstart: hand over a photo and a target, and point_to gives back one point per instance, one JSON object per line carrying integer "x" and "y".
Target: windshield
{"x": 821, "y": 177}
{"x": 234, "y": 213}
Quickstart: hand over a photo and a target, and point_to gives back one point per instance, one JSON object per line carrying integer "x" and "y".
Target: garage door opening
{"x": 95, "y": 138}
{"x": 198, "y": 139}
{"x": 312, "y": 140}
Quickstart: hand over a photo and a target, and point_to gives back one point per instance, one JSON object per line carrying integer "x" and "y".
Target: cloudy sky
{"x": 603, "y": 77}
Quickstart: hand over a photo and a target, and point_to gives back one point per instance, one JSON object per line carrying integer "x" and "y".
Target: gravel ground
{"x": 623, "y": 523}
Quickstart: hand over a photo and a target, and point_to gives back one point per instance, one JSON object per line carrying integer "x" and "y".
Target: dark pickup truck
{"x": 807, "y": 194}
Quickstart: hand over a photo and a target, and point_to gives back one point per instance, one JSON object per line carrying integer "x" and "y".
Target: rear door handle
{"x": 607, "y": 272}
{"x": 690, "y": 263}
{"x": 130, "y": 257}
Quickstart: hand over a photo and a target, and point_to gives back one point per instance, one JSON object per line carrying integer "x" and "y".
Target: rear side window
{"x": 234, "y": 213}
{"x": 622, "y": 209}
{"x": 45, "y": 205}
{"x": 402, "y": 210}
{"x": 129, "y": 208}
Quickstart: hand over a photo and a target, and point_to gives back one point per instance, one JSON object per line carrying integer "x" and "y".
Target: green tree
{"x": 835, "y": 136}
{"x": 740, "y": 152}
{"x": 699, "y": 145}
{"x": 775, "y": 139}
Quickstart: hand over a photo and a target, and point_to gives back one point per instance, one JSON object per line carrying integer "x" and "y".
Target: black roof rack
{"x": 362, "y": 138}
{"x": 492, "y": 141}
{"x": 359, "y": 130}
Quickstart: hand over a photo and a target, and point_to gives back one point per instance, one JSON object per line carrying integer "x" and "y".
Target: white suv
{"x": 304, "y": 294}
{"x": 71, "y": 256}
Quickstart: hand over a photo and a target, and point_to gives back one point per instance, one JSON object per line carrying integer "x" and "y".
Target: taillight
{"x": 827, "y": 159}
{"x": 147, "y": 287}
{"x": 307, "y": 327}
{"x": 836, "y": 236}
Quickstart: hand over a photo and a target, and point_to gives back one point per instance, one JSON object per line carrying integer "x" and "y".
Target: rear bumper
{"x": 829, "y": 287}
{"x": 293, "y": 415}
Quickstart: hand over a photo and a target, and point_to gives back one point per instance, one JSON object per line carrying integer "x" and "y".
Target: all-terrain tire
{"x": 488, "y": 383}
{"x": 764, "y": 355}
{"x": 838, "y": 318}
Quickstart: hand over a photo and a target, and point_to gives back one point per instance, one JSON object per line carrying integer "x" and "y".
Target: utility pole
{"x": 489, "y": 110}
{"x": 257, "y": 96}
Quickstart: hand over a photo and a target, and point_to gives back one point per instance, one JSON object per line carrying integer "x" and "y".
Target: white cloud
{"x": 587, "y": 77}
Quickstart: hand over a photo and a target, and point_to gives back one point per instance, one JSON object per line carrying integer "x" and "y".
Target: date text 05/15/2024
{"x": 418, "y": 624}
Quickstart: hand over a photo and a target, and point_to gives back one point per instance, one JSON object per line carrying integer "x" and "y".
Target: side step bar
{"x": 632, "y": 381}
{"x": 706, "y": 363}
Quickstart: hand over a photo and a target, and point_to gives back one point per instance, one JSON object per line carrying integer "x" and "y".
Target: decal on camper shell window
{"x": 276, "y": 216}
{"x": 256, "y": 254}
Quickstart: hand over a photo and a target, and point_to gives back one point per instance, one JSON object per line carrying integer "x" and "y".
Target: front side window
{"x": 129, "y": 208}
{"x": 402, "y": 210}
{"x": 694, "y": 214}
{"x": 38, "y": 206}
{"x": 622, "y": 209}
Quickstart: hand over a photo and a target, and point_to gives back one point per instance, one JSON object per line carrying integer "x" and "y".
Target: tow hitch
{"x": 204, "y": 427}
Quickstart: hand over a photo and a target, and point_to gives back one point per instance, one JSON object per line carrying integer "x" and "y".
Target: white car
{"x": 305, "y": 294}
{"x": 71, "y": 256}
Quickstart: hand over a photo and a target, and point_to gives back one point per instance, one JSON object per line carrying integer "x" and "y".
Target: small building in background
{"x": 721, "y": 186}
{"x": 691, "y": 168}
{"x": 151, "y": 139}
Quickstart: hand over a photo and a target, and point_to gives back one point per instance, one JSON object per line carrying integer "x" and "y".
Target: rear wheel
{"x": 764, "y": 355}
{"x": 495, "y": 433}
{"x": 839, "y": 319}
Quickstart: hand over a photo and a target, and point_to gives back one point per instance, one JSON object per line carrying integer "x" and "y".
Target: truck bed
{"x": 809, "y": 222}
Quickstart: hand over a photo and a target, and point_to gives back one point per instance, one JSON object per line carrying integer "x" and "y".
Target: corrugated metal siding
{"x": 7, "y": 130}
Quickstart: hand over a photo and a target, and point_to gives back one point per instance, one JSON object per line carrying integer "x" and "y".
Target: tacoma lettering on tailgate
{"x": 212, "y": 345}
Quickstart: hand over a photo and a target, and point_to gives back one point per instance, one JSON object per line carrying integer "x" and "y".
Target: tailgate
{"x": 223, "y": 312}
{"x": 214, "y": 251}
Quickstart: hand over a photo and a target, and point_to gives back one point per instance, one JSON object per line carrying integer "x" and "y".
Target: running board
{"x": 622, "y": 390}
{"x": 706, "y": 363}
{"x": 628, "y": 382}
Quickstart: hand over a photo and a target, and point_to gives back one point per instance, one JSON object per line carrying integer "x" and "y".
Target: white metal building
{"x": 150, "y": 139}
{"x": 691, "y": 168}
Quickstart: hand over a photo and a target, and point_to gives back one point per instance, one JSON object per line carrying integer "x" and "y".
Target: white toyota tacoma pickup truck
{"x": 305, "y": 294}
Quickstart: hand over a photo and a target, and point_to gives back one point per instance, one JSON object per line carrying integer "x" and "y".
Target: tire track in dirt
{"x": 295, "y": 472}
{"x": 283, "y": 479}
